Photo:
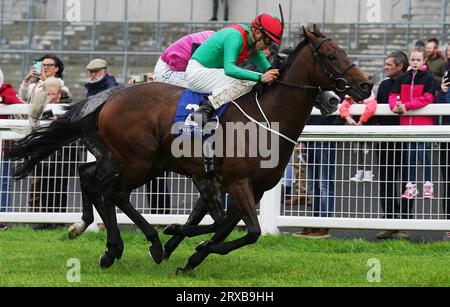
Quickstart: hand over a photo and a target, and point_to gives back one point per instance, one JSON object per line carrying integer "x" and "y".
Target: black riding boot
{"x": 206, "y": 111}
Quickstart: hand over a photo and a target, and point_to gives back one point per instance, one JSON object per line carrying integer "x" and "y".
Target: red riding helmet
{"x": 270, "y": 25}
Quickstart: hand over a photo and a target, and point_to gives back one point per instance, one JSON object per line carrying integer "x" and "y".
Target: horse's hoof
{"x": 172, "y": 230}
{"x": 75, "y": 230}
{"x": 156, "y": 253}
{"x": 119, "y": 253}
{"x": 181, "y": 271}
{"x": 204, "y": 246}
{"x": 105, "y": 261}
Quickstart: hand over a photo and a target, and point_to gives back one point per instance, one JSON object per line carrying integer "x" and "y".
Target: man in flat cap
{"x": 100, "y": 80}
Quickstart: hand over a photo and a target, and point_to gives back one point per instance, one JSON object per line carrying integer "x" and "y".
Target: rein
{"x": 268, "y": 128}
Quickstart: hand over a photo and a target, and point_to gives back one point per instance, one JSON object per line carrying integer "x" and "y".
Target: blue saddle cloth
{"x": 189, "y": 102}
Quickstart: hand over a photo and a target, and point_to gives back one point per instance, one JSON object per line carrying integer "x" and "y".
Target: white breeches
{"x": 163, "y": 73}
{"x": 213, "y": 81}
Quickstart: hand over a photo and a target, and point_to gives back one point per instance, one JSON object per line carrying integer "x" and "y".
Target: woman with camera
{"x": 45, "y": 67}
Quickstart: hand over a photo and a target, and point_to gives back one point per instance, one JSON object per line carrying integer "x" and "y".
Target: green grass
{"x": 39, "y": 258}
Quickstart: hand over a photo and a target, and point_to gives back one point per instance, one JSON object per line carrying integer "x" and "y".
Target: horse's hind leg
{"x": 114, "y": 243}
{"x": 122, "y": 200}
{"x": 90, "y": 196}
{"x": 117, "y": 192}
{"x": 156, "y": 249}
{"x": 107, "y": 177}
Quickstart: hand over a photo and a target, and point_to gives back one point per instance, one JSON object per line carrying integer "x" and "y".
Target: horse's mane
{"x": 303, "y": 42}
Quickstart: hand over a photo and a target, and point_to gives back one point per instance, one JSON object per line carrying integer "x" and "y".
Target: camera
{"x": 48, "y": 114}
{"x": 139, "y": 78}
{"x": 37, "y": 66}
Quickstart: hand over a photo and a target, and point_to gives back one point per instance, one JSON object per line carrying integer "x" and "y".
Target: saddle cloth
{"x": 190, "y": 102}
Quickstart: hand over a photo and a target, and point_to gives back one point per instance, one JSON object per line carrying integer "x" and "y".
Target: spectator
{"x": 299, "y": 186}
{"x": 216, "y": 9}
{"x": 100, "y": 80}
{"x": 145, "y": 78}
{"x": 52, "y": 66}
{"x": 412, "y": 91}
{"x": 420, "y": 43}
{"x": 395, "y": 66}
{"x": 7, "y": 96}
{"x": 364, "y": 171}
{"x": 434, "y": 59}
{"x": 446, "y": 67}
{"x": 171, "y": 66}
{"x": 444, "y": 153}
{"x": 49, "y": 183}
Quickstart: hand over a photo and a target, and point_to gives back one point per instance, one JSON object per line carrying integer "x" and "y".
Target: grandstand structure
{"x": 131, "y": 34}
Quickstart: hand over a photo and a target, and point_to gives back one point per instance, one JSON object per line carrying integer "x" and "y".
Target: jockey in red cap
{"x": 213, "y": 68}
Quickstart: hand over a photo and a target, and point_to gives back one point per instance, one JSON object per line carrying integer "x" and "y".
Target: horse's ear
{"x": 307, "y": 33}
{"x": 316, "y": 29}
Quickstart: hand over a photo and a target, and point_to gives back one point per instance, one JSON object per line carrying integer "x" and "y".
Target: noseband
{"x": 339, "y": 84}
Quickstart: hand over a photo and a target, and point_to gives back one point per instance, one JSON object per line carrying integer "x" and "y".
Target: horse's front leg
{"x": 210, "y": 201}
{"x": 243, "y": 202}
{"x": 224, "y": 229}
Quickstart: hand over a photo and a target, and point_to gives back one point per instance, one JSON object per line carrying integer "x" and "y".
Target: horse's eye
{"x": 331, "y": 57}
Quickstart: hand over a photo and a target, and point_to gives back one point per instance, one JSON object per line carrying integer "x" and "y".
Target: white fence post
{"x": 269, "y": 210}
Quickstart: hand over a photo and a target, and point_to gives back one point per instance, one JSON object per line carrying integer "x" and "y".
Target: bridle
{"x": 339, "y": 84}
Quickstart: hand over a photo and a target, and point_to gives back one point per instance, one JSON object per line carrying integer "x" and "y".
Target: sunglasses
{"x": 267, "y": 40}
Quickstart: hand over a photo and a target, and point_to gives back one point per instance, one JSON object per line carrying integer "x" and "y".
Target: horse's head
{"x": 334, "y": 66}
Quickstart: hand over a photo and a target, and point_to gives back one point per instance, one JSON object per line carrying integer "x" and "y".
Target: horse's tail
{"x": 45, "y": 140}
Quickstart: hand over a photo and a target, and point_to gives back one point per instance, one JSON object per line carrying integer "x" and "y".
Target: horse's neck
{"x": 291, "y": 107}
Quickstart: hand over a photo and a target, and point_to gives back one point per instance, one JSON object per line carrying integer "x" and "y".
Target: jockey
{"x": 213, "y": 68}
{"x": 171, "y": 66}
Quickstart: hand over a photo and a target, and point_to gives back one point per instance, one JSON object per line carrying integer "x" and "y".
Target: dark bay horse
{"x": 135, "y": 124}
{"x": 136, "y": 127}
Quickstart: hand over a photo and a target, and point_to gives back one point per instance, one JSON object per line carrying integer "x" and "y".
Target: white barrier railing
{"x": 356, "y": 204}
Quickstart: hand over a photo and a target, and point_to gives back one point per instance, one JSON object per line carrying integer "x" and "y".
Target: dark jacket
{"x": 436, "y": 66}
{"x": 94, "y": 88}
{"x": 384, "y": 89}
{"x": 444, "y": 98}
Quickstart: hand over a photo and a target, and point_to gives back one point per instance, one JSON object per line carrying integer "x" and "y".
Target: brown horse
{"x": 135, "y": 124}
{"x": 136, "y": 127}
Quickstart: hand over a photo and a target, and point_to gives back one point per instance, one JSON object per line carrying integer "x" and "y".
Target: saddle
{"x": 189, "y": 102}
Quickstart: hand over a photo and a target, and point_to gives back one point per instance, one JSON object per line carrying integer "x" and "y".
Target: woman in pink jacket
{"x": 414, "y": 90}
{"x": 364, "y": 171}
